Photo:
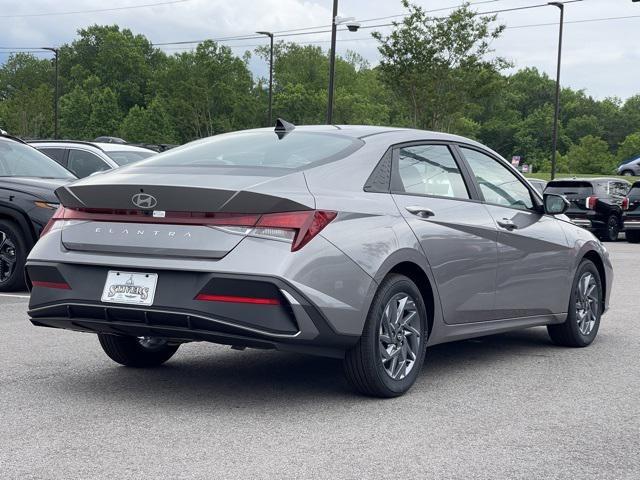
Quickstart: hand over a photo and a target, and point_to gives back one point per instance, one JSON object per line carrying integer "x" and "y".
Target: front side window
{"x": 497, "y": 184}
{"x": 429, "y": 170}
{"x": 56, "y": 154}
{"x": 83, "y": 164}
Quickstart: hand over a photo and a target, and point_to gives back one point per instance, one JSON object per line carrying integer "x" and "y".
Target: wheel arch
{"x": 418, "y": 276}
{"x": 596, "y": 259}
{"x": 21, "y": 220}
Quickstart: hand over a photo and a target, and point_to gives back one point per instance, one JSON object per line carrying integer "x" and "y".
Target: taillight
{"x": 58, "y": 215}
{"x": 625, "y": 203}
{"x": 297, "y": 227}
{"x": 590, "y": 203}
{"x": 301, "y": 226}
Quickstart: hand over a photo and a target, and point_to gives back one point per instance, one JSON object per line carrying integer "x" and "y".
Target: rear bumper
{"x": 632, "y": 223}
{"x": 295, "y": 324}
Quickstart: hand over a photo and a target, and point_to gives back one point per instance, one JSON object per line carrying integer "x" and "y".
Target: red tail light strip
{"x": 58, "y": 285}
{"x": 306, "y": 224}
{"x": 234, "y": 299}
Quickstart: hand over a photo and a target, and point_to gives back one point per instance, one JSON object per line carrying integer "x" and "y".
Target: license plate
{"x": 133, "y": 288}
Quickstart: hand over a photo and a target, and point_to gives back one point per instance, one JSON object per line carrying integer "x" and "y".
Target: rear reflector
{"x": 235, "y": 299}
{"x": 58, "y": 285}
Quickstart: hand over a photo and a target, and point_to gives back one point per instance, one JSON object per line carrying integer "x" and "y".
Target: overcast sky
{"x": 601, "y": 57}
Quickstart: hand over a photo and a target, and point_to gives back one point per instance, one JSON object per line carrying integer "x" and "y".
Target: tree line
{"x": 434, "y": 73}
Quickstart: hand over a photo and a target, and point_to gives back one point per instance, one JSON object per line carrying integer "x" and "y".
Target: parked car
{"x": 597, "y": 204}
{"x": 363, "y": 243}
{"x": 631, "y": 217}
{"x": 86, "y": 158}
{"x": 27, "y": 200}
{"x": 630, "y": 167}
{"x": 539, "y": 185}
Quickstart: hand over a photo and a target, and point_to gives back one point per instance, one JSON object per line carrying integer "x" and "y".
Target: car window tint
{"x": 83, "y": 164}
{"x": 265, "y": 149}
{"x": 56, "y": 154}
{"x": 19, "y": 160}
{"x": 497, "y": 184}
{"x": 430, "y": 170}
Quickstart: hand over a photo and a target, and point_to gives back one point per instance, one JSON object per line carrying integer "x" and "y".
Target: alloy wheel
{"x": 587, "y": 303}
{"x": 399, "y": 336}
{"x": 8, "y": 257}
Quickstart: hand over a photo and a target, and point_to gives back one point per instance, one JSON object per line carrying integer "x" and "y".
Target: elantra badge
{"x": 144, "y": 200}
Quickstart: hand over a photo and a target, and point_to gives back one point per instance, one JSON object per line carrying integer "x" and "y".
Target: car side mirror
{"x": 555, "y": 204}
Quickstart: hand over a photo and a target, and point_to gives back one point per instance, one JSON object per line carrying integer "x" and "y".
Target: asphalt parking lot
{"x": 506, "y": 406}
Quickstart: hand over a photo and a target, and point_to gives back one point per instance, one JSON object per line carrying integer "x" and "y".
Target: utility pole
{"x": 270, "y": 35}
{"x": 332, "y": 62}
{"x": 556, "y": 115}
{"x": 56, "y": 94}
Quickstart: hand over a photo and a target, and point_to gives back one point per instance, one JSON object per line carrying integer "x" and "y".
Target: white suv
{"x": 86, "y": 158}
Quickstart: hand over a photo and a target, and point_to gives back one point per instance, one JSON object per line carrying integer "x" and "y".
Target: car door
{"x": 83, "y": 163}
{"x": 534, "y": 259}
{"x": 455, "y": 230}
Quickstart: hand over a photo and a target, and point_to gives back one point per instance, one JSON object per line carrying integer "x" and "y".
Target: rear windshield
{"x": 635, "y": 190}
{"x": 19, "y": 160}
{"x": 129, "y": 156}
{"x": 259, "y": 149}
{"x": 570, "y": 188}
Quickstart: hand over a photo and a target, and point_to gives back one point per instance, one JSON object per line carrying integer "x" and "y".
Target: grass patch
{"x": 547, "y": 176}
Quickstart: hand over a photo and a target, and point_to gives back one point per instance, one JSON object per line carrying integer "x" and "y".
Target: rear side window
{"x": 294, "y": 150}
{"x": 55, "y": 153}
{"x": 634, "y": 193}
{"x": 577, "y": 189}
{"x": 429, "y": 170}
{"x": 83, "y": 164}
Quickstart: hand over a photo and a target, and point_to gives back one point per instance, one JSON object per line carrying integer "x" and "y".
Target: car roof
{"x": 105, "y": 147}
{"x": 364, "y": 132}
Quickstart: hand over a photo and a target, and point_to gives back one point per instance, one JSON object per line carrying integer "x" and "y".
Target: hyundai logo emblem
{"x": 144, "y": 200}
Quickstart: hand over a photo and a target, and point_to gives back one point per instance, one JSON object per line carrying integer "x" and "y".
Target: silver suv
{"x": 86, "y": 158}
{"x": 630, "y": 168}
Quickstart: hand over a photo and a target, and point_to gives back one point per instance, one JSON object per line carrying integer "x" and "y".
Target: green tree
{"x": 629, "y": 148}
{"x": 149, "y": 125}
{"x": 590, "y": 155}
{"x": 434, "y": 64}
{"x": 26, "y": 96}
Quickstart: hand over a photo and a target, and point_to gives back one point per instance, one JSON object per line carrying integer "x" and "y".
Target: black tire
{"x": 628, "y": 173}
{"x": 363, "y": 365}
{"x": 13, "y": 250}
{"x": 611, "y": 231}
{"x": 633, "y": 236}
{"x": 568, "y": 334}
{"x": 129, "y": 351}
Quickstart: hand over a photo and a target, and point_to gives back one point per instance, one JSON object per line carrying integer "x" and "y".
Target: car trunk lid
{"x": 175, "y": 214}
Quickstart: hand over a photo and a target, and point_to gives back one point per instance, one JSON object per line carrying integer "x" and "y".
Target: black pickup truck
{"x": 597, "y": 204}
{"x": 631, "y": 217}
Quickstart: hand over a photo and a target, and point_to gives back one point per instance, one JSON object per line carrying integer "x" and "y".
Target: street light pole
{"x": 332, "y": 62}
{"x": 556, "y": 115}
{"x": 56, "y": 93}
{"x": 270, "y": 35}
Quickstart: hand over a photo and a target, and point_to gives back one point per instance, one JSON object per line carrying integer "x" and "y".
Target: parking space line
{"x": 14, "y": 295}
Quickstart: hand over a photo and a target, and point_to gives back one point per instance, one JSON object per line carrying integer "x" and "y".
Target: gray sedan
{"x": 369, "y": 244}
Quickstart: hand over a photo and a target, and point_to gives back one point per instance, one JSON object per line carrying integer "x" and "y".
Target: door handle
{"x": 421, "y": 212}
{"x": 507, "y": 224}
